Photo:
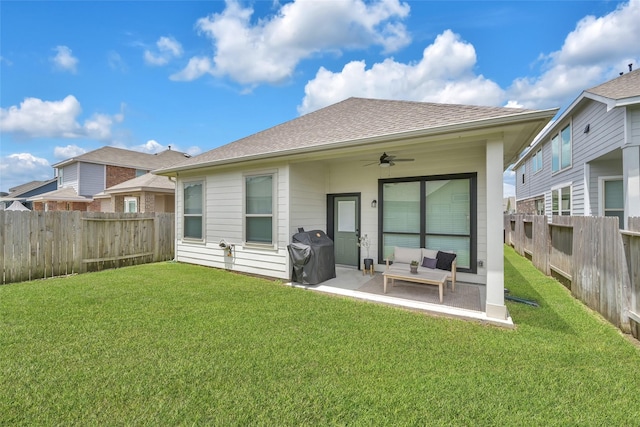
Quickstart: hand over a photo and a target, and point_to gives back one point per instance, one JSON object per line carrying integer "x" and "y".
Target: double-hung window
{"x": 613, "y": 198}
{"x": 561, "y": 200}
{"x": 131, "y": 204}
{"x": 536, "y": 161}
{"x": 561, "y": 149}
{"x": 435, "y": 212}
{"x": 193, "y": 210}
{"x": 258, "y": 216}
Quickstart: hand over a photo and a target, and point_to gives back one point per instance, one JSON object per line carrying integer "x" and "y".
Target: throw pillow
{"x": 429, "y": 253}
{"x": 445, "y": 259}
{"x": 429, "y": 262}
{"x": 402, "y": 255}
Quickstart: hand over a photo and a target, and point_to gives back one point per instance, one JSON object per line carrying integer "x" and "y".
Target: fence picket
{"x": 596, "y": 260}
{"x": 37, "y": 244}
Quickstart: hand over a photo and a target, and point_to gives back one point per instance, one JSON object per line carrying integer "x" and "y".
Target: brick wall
{"x": 95, "y": 206}
{"x": 147, "y": 202}
{"x": 118, "y": 174}
{"x": 118, "y": 204}
{"x": 527, "y": 206}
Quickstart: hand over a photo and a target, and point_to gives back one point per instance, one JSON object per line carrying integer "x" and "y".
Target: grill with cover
{"x": 312, "y": 257}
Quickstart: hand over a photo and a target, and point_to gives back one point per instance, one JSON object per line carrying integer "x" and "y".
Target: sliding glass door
{"x": 435, "y": 212}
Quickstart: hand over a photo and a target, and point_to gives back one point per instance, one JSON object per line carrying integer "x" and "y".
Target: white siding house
{"x": 255, "y": 193}
{"x": 595, "y": 170}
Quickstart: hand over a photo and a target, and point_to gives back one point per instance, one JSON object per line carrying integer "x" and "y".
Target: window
{"x": 536, "y": 161}
{"x": 140, "y": 172}
{"x": 561, "y": 201}
{"x": 193, "y": 208}
{"x": 434, "y": 212}
{"x": 539, "y": 206}
{"x": 60, "y": 177}
{"x": 561, "y": 149}
{"x": 613, "y": 199}
{"x": 131, "y": 204}
{"x": 259, "y": 209}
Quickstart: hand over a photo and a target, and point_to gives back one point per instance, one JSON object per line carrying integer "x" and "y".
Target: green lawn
{"x": 174, "y": 344}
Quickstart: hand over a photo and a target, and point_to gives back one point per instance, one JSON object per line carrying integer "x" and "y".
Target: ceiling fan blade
{"x": 403, "y": 160}
{"x": 370, "y": 164}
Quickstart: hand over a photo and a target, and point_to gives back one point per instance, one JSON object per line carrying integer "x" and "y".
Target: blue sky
{"x": 143, "y": 75}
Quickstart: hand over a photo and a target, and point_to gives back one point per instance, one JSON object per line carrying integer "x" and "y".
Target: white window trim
{"x": 204, "y": 210}
{"x": 536, "y": 155}
{"x": 601, "y": 181}
{"x": 559, "y": 135}
{"x": 131, "y": 198}
{"x": 274, "y": 210}
{"x": 560, "y": 187}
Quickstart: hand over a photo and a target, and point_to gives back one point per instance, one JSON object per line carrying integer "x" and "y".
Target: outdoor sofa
{"x": 427, "y": 259}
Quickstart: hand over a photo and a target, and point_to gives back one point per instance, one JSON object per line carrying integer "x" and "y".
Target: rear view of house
{"x": 588, "y": 162}
{"x": 403, "y": 173}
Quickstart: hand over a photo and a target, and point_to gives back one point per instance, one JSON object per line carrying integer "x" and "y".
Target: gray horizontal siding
{"x": 606, "y": 133}
{"x": 92, "y": 179}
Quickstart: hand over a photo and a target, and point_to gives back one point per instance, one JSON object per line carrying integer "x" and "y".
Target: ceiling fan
{"x": 386, "y": 161}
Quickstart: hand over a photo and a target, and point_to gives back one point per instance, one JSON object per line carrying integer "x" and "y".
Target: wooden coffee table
{"x": 423, "y": 276}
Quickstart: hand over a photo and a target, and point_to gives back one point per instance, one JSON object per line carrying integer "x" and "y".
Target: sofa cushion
{"x": 429, "y": 262}
{"x": 445, "y": 259}
{"x": 406, "y": 255}
{"x": 429, "y": 253}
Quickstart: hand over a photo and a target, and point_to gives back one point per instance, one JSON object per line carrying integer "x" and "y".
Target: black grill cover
{"x": 312, "y": 256}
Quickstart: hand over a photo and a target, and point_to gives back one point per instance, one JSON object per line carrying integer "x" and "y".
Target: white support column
{"x": 495, "y": 307}
{"x": 631, "y": 182}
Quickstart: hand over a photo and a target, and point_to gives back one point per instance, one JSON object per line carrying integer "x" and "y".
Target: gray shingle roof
{"x": 63, "y": 194}
{"x": 24, "y": 188}
{"x": 147, "y": 181}
{"x": 625, "y": 86}
{"x": 127, "y": 158}
{"x": 350, "y": 120}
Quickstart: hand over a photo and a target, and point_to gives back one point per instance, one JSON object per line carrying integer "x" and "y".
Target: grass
{"x": 175, "y": 344}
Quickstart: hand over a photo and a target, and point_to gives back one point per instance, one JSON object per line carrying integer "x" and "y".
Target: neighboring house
{"x": 81, "y": 178}
{"x": 588, "y": 161}
{"x": 509, "y": 205}
{"x": 331, "y": 170}
{"x": 146, "y": 193}
{"x": 23, "y": 192}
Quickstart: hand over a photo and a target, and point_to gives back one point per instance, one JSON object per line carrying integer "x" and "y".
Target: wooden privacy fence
{"x": 35, "y": 245}
{"x": 596, "y": 260}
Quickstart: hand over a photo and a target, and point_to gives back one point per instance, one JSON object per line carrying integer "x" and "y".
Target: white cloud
{"x": 35, "y": 118}
{"x": 64, "y": 59}
{"x": 509, "y": 183}
{"x": 444, "y": 74}
{"x": 193, "y": 150}
{"x": 20, "y": 168}
{"x": 196, "y": 68}
{"x": 168, "y": 49}
{"x": 597, "y": 50}
{"x": 508, "y": 190}
{"x": 151, "y": 146}
{"x": 68, "y": 152}
{"x": 116, "y": 62}
{"x": 269, "y": 50}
